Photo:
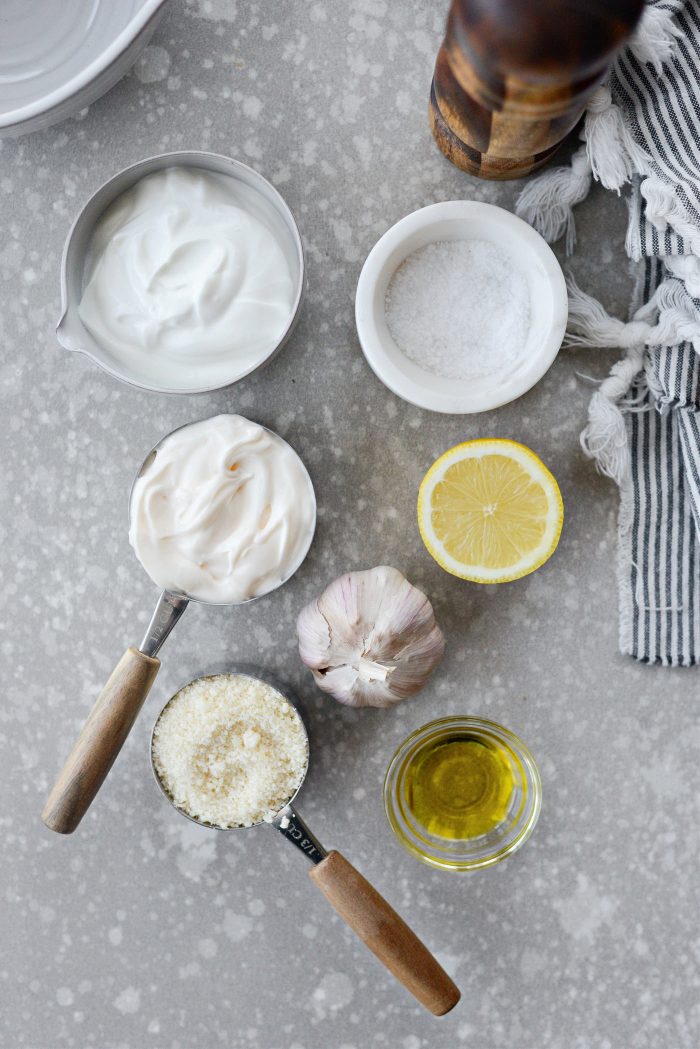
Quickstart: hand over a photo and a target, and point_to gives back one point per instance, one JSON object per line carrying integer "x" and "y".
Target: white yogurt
{"x": 224, "y": 512}
{"x": 184, "y": 282}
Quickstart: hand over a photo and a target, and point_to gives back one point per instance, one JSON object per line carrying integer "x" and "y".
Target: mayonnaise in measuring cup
{"x": 184, "y": 284}
{"x": 224, "y": 512}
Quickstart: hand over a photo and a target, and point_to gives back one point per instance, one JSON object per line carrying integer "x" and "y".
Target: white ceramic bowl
{"x": 256, "y": 193}
{"x": 462, "y": 220}
{"x": 58, "y": 56}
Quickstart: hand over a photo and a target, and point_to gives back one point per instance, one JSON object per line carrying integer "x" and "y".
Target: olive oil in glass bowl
{"x": 462, "y": 793}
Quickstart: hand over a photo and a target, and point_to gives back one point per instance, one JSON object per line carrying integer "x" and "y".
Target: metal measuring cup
{"x": 118, "y": 705}
{"x": 357, "y": 902}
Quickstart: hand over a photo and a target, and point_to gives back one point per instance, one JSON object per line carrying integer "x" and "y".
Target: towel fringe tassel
{"x": 547, "y": 201}
{"x": 654, "y": 40}
{"x": 609, "y": 154}
{"x": 613, "y": 154}
{"x": 663, "y": 209}
{"x": 667, "y": 319}
{"x": 687, "y": 269}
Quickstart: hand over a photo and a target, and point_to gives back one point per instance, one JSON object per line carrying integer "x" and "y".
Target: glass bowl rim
{"x": 490, "y": 729}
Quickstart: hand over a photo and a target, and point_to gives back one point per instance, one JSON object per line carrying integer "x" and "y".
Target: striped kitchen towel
{"x": 643, "y": 128}
{"x": 659, "y": 552}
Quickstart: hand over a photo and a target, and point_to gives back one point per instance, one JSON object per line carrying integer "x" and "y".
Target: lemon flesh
{"x": 490, "y": 511}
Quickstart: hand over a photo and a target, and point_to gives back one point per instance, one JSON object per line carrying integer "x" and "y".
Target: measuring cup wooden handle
{"x": 385, "y": 933}
{"x": 100, "y": 740}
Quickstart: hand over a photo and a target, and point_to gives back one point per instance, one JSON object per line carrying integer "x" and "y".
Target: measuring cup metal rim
{"x": 256, "y": 673}
{"x": 229, "y": 604}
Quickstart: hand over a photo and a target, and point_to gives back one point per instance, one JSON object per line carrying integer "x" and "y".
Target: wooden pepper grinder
{"x": 513, "y": 77}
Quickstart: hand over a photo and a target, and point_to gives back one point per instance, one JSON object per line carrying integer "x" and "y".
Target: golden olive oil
{"x": 459, "y": 786}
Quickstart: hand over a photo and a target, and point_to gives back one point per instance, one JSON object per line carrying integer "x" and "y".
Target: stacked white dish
{"x": 58, "y": 57}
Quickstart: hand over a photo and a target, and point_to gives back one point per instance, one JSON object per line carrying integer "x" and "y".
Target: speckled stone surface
{"x": 142, "y": 931}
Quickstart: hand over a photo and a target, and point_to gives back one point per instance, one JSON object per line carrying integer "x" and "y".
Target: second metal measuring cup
{"x": 120, "y": 701}
{"x": 357, "y": 902}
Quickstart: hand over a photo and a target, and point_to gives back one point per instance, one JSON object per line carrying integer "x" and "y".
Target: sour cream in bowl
{"x": 183, "y": 274}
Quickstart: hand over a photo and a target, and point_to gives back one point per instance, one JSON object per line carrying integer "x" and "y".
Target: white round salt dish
{"x": 530, "y": 255}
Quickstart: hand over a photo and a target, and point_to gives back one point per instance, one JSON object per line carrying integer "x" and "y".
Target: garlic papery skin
{"x": 370, "y": 639}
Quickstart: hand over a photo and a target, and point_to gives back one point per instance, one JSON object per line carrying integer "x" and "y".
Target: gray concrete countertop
{"x": 143, "y": 931}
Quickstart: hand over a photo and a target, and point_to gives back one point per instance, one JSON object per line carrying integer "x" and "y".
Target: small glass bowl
{"x": 467, "y": 853}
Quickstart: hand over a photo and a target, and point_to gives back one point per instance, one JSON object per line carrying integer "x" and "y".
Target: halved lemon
{"x": 490, "y": 511}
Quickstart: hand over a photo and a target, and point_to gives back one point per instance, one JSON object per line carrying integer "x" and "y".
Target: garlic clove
{"x": 371, "y": 638}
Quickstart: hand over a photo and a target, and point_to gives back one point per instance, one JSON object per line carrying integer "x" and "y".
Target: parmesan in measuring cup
{"x": 230, "y": 750}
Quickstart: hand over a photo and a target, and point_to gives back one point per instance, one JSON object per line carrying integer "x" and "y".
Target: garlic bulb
{"x": 370, "y": 639}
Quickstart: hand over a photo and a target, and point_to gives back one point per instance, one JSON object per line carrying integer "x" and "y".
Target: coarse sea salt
{"x": 459, "y": 309}
{"x": 230, "y": 750}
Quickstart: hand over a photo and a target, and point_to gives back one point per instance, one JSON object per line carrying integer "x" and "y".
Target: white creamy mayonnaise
{"x": 184, "y": 284}
{"x": 225, "y": 511}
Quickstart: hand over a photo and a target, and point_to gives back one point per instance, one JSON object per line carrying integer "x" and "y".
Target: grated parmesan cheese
{"x": 230, "y": 750}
